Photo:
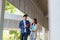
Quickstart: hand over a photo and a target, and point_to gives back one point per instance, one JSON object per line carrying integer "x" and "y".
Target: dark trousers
{"x": 23, "y": 36}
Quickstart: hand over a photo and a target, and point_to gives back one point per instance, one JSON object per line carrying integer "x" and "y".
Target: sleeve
{"x": 36, "y": 27}
{"x": 20, "y": 25}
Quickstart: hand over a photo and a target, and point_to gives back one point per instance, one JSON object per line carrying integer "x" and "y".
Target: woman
{"x": 34, "y": 28}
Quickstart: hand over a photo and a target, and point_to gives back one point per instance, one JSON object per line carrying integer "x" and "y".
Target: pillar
{"x": 54, "y": 19}
{"x": 2, "y": 3}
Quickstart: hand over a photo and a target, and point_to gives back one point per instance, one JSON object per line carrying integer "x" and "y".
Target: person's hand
{"x": 25, "y": 26}
{"x": 32, "y": 30}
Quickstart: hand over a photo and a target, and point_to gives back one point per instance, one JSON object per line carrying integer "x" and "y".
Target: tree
{"x": 10, "y": 7}
{"x": 16, "y": 34}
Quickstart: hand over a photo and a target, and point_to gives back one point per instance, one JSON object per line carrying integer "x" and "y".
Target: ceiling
{"x": 43, "y": 5}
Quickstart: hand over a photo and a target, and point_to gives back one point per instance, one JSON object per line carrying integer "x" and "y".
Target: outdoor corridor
{"x": 47, "y": 13}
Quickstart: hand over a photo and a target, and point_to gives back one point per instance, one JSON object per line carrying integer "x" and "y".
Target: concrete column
{"x": 2, "y": 3}
{"x": 54, "y": 19}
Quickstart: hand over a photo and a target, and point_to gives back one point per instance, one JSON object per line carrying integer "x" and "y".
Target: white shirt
{"x": 24, "y": 25}
{"x": 24, "y": 22}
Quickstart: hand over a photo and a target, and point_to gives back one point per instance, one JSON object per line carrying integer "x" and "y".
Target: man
{"x": 24, "y": 26}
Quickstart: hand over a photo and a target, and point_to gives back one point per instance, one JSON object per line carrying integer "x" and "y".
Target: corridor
{"x": 45, "y": 11}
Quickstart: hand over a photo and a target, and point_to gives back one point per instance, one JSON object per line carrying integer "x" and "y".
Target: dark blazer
{"x": 21, "y": 26}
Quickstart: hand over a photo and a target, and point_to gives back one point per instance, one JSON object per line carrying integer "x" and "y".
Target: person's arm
{"x": 20, "y": 25}
{"x": 35, "y": 28}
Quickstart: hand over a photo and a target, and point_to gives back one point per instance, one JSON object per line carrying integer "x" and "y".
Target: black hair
{"x": 25, "y": 15}
{"x": 35, "y": 20}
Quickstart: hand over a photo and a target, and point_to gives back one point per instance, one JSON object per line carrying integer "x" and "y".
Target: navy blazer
{"x": 21, "y": 26}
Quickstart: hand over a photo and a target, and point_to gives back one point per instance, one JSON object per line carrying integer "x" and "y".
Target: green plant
{"x": 10, "y": 7}
{"x": 16, "y": 34}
